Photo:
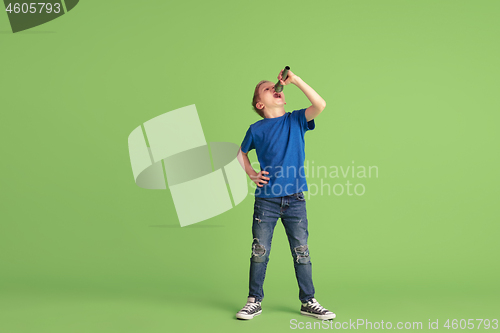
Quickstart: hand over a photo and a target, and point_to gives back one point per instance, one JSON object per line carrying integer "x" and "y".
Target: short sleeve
{"x": 247, "y": 143}
{"x": 306, "y": 125}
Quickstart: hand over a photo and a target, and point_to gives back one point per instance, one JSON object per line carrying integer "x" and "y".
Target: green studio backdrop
{"x": 411, "y": 89}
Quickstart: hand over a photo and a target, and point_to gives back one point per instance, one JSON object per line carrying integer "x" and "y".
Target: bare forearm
{"x": 245, "y": 164}
{"x": 315, "y": 99}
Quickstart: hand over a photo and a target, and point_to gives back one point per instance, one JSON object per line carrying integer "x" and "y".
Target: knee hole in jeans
{"x": 258, "y": 251}
{"x": 302, "y": 254}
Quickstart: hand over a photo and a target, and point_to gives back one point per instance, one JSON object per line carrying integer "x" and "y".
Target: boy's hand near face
{"x": 290, "y": 78}
{"x": 317, "y": 103}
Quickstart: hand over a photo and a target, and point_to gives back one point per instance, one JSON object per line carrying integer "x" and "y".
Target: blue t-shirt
{"x": 279, "y": 144}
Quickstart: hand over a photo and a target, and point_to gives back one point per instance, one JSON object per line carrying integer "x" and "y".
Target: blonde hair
{"x": 256, "y": 98}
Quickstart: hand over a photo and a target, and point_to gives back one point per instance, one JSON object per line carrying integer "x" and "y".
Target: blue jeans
{"x": 292, "y": 211}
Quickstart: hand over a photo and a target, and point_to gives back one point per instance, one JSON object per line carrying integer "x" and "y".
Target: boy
{"x": 279, "y": 143}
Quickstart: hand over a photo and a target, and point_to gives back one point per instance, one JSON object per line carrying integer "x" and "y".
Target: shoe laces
{"x": 313, "y": 303}
{"x": 250, "y": 306}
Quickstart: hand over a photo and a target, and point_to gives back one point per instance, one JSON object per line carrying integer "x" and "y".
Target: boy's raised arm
{"x": 318, "y": 103}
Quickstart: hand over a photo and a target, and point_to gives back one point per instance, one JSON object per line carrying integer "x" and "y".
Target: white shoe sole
{"x": 322, "y": 317}
{"x": 244, "y": 316}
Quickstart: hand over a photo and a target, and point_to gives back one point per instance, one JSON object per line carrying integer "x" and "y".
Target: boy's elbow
{"x": 321, "y": 107}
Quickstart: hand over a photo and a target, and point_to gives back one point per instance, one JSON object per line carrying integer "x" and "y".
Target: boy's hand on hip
{"x": 290, "y": 78}
{"x": 260, "y": 178}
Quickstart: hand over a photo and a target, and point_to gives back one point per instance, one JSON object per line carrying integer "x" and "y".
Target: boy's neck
{"x": 274, "y": 112}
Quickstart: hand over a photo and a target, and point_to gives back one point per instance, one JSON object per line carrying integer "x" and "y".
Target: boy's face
{"x": 268, "y": 97}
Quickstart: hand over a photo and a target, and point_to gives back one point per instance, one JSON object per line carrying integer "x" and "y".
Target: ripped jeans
{"x": 292, "y": 211}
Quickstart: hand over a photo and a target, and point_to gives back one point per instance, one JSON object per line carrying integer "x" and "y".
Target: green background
{"x": 411, "y": 87}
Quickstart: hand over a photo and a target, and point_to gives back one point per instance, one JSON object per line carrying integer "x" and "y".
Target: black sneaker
{"x": 314, "y": 309}
{"x": 250, "y": 310}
